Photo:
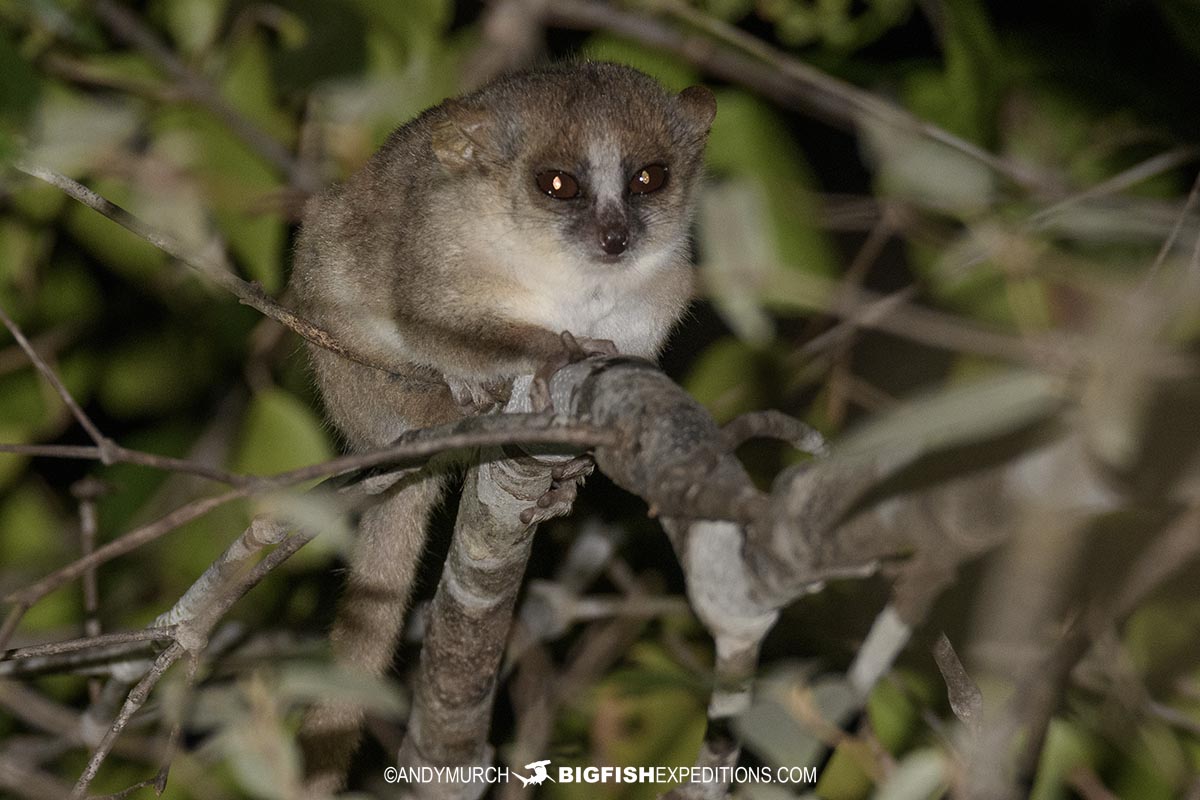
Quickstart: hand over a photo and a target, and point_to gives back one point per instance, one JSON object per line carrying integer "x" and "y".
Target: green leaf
{"x": 280, "y": 433}
{"x": 148, "y": 376}
{"x": 729, "y": 10}
{"x": 420, "y": 23}
{"x": 738, "y": 257}
{"x": 332, "y": 44}
{"x": 844, "y": 777}
{"x": 237, "y": 183}
{"x": 1157, "y": 767}
{"x": 664, "y": 726}
{"x": 194, "y": 24}
{"x": 36, "y": 200}
{"x": 19, "y": 89}
{"x": 672, "y": 72}
{"x": 749, "y": 141}
{"x": 963, "y": 275}
{"x": 927, "y": 172}
{"x": 302, "y": 684}
{"x": 728, "y": 379}
{"x": 249, "y": 87}
{"x": 23, "y": 402}
{"x": 893, "y": 715}
{"x": 1067, "y": 747}
{"x": 31, "y": 530}
{"x": 21, "y": 248}
{"x": 266, "y": 760}
{"x": 780, "y": 735}
{"x": 27, "y": 402}
{"x": 956, "y": 415}
{"x": 69, "y": 294}
{"x": 72, "y": 133}
{"x": 921, "y": 775}
{"x": 1161, "y": 633}
{"x": 798, "y": 27}
{"x": 124, "y": 252}
{"x": 964, "y": 96}
{"x": 12, "y": 466}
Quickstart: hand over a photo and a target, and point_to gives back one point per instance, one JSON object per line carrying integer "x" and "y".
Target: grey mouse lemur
{"x": 558, "y": 199}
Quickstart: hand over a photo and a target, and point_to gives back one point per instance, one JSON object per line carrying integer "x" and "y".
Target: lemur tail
{"x": 369, "y": 621}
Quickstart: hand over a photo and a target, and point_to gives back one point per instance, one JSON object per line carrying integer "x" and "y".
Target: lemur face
{"x": 603, "y": 168}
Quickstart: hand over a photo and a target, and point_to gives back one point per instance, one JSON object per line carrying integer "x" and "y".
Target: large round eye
{"x": 558, "y": 184}
{"x": 649, "y": 178}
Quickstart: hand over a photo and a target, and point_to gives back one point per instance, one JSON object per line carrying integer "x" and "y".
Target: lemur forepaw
{"x": 576, "y": 469}
{"x": 556, "y": 502}
{"x": 478, "y": 397}
{"x": 574, "y": 348}
{"x": 581, "y": 347}
{"x": 566, "y": 478}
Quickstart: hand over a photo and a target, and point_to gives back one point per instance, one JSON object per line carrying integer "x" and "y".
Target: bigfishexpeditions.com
{"x": 680, "y": 775}
{"x": 540, "y": 772}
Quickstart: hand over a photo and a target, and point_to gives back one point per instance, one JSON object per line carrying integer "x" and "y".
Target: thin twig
{"x": 103, "y": 443}
{"x": 84, "y": 452}
{"x": 1123, "y": 180}
{"x": 128, "y": 791}
{"x": 86, "y": 491}
{"x": 133, "y": 702}
{"x": 119, "y": 547}
{"x": 65, "y": 724}
{"x": 157, "y": 634}
{"x": 840, "y": 374}
{"x": 741, "y": 58}
{"x": 11, "y": 621}
{"x": 14, "y": 357}
{"x": 25, "y": 781}
{"x": 1035, "y": 700}
{"x": 858, "y": 102}
{"x": 1084, "y": 780}
{"x": 250, "y": 294}
{"x": 160, "y": 778}
{"x": 415, "y": 445}
{"x": 868, "y": 315}
{"x": 118, "y": 454}
{"x": 195, "y": 633}
{"x": 128, "y": 27}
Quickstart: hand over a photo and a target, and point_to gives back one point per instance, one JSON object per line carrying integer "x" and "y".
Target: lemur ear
{"x": 460, "y": 139}
{"x": 699, "y": 107}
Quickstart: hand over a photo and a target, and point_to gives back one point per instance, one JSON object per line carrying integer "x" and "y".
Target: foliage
{"x": 168, "y": 364}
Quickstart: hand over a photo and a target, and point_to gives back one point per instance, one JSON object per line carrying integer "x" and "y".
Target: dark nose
{"x": 614, "y": 240}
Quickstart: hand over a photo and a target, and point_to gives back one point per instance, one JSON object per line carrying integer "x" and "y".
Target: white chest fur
{"x": 546, "y": 283}
{"x": 602, "y": 301}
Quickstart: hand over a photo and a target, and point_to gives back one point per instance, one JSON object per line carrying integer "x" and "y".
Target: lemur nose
{"x": 614, "y": 240}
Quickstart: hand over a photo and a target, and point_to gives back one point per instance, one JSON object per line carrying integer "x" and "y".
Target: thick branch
{"x": 469, "y": 621}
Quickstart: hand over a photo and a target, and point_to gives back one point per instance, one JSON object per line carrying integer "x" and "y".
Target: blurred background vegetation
{"x": 218, "y": 137}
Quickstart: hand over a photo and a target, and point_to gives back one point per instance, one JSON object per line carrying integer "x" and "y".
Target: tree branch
{"x": 741, "y": 58}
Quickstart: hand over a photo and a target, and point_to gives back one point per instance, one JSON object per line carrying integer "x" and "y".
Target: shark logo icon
{"x": 539, "y": 776}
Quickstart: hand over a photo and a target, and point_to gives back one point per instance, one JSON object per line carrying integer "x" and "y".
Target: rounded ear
{"x": 460, "y": 138}
{"x": 699, "y": 105}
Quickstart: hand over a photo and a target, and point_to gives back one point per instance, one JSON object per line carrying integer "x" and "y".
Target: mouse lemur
{"x": 558, "y": 199}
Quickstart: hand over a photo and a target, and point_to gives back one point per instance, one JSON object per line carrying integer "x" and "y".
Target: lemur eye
{"x": 649, "y": 178}
{"x": 558, "y": 184}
